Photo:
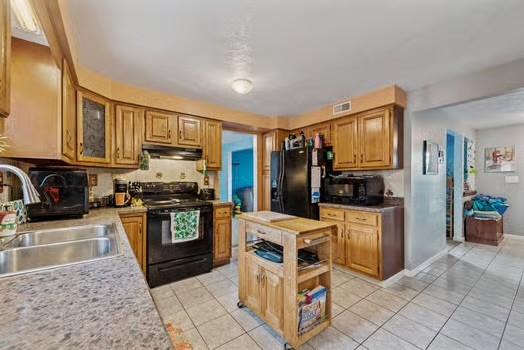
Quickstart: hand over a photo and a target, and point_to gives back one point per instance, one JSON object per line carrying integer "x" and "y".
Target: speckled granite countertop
{"x": 372, "y": 208}
{"x": 104, "y": 304}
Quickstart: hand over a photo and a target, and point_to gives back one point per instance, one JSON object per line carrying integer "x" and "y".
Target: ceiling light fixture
{"x": 25, "y": 16}
{"x": 242, "y": 86}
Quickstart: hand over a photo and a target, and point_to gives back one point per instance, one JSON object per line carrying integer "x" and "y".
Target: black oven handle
{"x": 162, "y": 214}
{"x": 168, "y": 268}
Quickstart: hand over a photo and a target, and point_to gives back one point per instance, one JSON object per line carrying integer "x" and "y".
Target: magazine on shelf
{"x": 312, "y": 308}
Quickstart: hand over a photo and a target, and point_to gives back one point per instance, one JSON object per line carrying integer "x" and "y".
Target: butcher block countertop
{"x": 294, "y": 225}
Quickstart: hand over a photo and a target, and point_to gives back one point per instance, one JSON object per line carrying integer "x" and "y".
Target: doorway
{"x": 454, "y": 185}
{"x": 238, "y": 178}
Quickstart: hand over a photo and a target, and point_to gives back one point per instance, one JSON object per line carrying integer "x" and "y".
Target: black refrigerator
{"x": 291, "y": 175}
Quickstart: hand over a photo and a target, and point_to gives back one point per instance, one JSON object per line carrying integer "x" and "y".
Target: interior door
{"x": 273, "y": 298}
{"x": 159, "y": 127}
{"x": 374, "y": 137}
{"x": 363, "y": 248}
{"x": 296, "y": 183}
{"x": 345, "y": 143}
{"x": 189, "y": 131}
{"x": 253, "y": 286}
{"x": 127, "y": 134}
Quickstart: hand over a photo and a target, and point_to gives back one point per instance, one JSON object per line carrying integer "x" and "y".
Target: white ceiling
{"x": 503, "y": 110}
{"x": 301, "y": 54}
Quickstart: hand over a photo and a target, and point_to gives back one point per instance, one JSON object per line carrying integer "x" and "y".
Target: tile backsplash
{"x": 165, "y": 170}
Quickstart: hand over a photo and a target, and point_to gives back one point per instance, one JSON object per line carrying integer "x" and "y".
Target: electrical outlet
{"x": 93, "y": 180}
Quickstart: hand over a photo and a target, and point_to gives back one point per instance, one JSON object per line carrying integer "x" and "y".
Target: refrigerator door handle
{"x": 281, "y": 181}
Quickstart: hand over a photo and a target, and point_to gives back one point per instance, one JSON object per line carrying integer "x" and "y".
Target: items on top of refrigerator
{"x": 311, "y": 308}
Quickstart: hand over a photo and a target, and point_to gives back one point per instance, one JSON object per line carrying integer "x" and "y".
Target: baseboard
{"x": 413, "y": 272}
{"x": 383, "y": 284}
{"x": 513, "y": 236}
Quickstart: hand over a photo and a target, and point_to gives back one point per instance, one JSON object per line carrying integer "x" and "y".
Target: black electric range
{"x": 167, "y": 261}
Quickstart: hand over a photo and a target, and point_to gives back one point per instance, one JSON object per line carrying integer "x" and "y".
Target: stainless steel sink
{"x": 43, "y": 249}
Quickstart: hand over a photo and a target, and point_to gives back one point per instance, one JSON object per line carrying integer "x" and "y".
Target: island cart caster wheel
{"x": 288, "y": 347}
{"x": 240, "y": 305}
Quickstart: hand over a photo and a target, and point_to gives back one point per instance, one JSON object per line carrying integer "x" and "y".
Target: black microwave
{"x": 64, "y": 193}
{"x": 353, "y": 189}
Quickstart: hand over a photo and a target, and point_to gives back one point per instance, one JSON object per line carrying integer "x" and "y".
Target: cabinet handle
{"x": 81, "y": 148}
{"x": 180, "y": 134}
{"x": 261, "y": 232}
{"x": 258, "y": 277}
{"x": 118, "y": 152}
{"x": 168, "y": 133}
{"x": 354, "y": 158}
{"x": 362, "y": 157}
{"x": 361, "y": 219}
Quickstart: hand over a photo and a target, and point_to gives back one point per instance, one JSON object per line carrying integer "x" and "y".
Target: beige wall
{"x": 170, "y": 170}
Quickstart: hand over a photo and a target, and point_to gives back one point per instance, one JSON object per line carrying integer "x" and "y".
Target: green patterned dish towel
{"x": 184, "y": 226}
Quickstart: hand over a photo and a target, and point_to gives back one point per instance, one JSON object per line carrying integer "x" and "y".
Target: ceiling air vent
{"x": 341, "y": 108}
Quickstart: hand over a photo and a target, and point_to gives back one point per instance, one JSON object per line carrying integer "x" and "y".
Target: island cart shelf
{"x": 271, "y": 289}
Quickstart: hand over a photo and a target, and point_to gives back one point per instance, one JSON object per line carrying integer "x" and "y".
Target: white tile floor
{"x": 472, "y": 298}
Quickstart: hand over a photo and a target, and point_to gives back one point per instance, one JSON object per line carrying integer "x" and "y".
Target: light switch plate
{"x": 513, "y": 179}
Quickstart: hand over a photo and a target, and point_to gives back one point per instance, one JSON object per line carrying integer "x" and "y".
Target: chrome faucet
{"x": 31, "y": 195}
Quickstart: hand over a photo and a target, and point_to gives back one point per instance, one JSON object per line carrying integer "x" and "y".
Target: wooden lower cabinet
{"x": 368, "y": 242}
{"x": 222, "y": 235}
{"x": 272, "y": 298}
{"x": 135, "y": 226}
{"x": 363, "y": 248}
{"x": 265, "y": 294}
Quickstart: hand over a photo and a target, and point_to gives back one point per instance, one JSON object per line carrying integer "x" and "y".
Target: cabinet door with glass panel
{"x": 93, "y": 128}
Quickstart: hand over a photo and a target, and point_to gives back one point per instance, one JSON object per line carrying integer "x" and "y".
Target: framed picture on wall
{"x": 499, "y": 159}
{"x": 430, "y": 158}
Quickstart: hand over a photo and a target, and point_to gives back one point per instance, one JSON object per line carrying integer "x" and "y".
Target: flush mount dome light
{"x": 242, "y": 86}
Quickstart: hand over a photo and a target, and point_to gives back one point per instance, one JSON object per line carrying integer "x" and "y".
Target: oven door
{"x": 161, "y": 248}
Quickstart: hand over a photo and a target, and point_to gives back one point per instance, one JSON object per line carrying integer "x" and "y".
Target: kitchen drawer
{"x": 362, "y": 217}
{"x": 332, "y": 214}
{"x": 222, "y": 212}
{"x": 312, "y": 239}
{"x": 264, "y": 232}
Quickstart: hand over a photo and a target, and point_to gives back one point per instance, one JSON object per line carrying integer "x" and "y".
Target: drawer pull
{"x": 261, "y": 232}
{"x": 316, "y": 240}
{"x": 361, "y": 219}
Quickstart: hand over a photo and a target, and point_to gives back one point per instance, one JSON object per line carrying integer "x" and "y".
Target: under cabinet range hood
{"x": 168, "y": 152}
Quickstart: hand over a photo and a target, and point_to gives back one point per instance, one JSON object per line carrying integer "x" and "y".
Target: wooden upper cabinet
{"x": 345, "y": 143}
{"x": 323, "y": 129}
{"x": 5, "y": 58}
{"x": 128, "y": 127}
{"x": 213, "y": 144}
{"x": 68, "y": 114}
{"x": 375, "y": 139}
{"x": 160, "y": 127}
{"x": 189, "y": 131}
{"x": 93, "y": 128}
{"x": 267, "y": 142}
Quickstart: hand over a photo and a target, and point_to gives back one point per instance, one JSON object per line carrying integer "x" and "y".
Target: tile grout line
{"x": 510, "y": 310}
{"x": 394, "y": 314}
{"x": 462, "y": 300}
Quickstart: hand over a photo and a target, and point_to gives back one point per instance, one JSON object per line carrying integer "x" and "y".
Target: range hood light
{"x": 242, "y": 86}
{"x": 25, "y": 16}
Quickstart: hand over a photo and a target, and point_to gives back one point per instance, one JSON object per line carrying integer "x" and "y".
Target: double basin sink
{"x": 43, "y": 249}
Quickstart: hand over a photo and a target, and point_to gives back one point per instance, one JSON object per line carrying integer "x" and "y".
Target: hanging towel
{"x": 184, "y": 226}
